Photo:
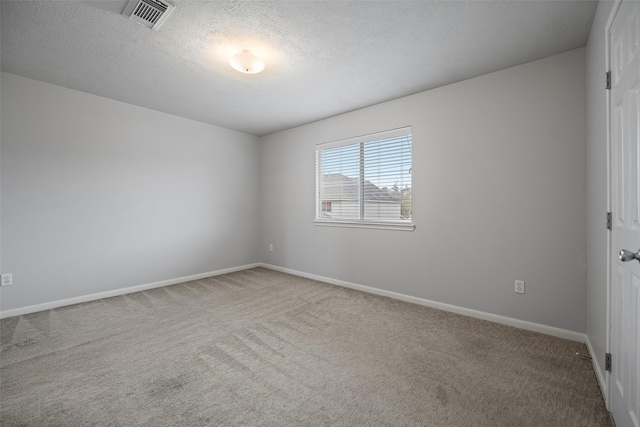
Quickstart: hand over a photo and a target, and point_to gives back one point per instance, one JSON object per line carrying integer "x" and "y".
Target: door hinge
{"x": 608, "y": 220}
{"x": 607, "y": 362}
{"x": 608, "y": 80}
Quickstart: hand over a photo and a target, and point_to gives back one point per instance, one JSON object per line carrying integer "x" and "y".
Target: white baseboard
{"x": 117, "y": 292}
{"x": 521, "y": 324}
{"x": 602, "y": 382}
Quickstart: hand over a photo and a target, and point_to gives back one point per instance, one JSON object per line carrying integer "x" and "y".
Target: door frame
{"x": 609, "y": 26}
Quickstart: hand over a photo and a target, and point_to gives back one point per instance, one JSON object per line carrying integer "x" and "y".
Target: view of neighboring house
{"x": 340, "y": 199}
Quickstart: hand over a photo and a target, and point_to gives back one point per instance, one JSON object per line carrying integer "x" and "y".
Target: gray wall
{"x": 597, "y": 184}
{"x": 499, "y": 178}
{"x": 99, "y": 195}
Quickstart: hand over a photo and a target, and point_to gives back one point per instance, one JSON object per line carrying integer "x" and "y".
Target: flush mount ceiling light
{"x": 246, "y": 62}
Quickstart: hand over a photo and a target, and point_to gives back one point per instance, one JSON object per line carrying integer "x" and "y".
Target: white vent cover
{"x": 150, "y": 13}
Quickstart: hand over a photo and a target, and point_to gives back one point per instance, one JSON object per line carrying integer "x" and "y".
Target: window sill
{"x": 364, "y": 224}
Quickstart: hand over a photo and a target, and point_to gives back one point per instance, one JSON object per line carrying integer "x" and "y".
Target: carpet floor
{"x": 264, "y": 348}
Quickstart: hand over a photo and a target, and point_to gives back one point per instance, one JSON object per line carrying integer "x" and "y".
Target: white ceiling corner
{"x": 322, "y": 57}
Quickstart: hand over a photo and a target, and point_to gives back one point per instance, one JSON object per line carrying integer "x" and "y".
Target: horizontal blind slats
{"x": 370, "y": 171}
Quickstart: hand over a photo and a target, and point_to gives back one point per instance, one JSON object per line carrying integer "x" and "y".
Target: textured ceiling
{"x": 323, "y": 57}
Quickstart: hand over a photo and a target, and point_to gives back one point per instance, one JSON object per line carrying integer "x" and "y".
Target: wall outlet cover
{"x": 7, "y": 279}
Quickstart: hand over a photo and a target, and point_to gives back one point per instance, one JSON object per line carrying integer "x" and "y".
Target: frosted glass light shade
{"x": 246, "y": 62}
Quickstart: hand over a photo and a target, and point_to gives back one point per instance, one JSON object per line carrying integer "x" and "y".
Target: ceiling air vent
{"x": 150, "y": 13}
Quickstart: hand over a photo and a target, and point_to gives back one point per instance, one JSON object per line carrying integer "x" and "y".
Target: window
{"x": 365, "y": 181}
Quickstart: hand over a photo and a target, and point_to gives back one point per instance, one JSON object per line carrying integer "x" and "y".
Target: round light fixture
{"x": 246, "y": 62}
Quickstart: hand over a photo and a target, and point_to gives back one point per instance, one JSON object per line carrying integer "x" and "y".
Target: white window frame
{"x": 403, "y": 225}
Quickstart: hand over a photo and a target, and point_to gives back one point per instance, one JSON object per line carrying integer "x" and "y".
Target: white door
{"x": 624, "y": 381}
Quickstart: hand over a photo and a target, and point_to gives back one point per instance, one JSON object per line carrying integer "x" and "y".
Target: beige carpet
{"x": 263, "y": 348}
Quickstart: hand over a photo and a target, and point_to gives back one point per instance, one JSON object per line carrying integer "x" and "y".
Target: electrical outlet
{"x": 270, "y": 247}
{"x": 520, "y": 286}
{"x": 7, "y": 279}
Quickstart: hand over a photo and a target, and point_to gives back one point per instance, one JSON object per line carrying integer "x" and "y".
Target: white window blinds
{"x": 365, "y": 181}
